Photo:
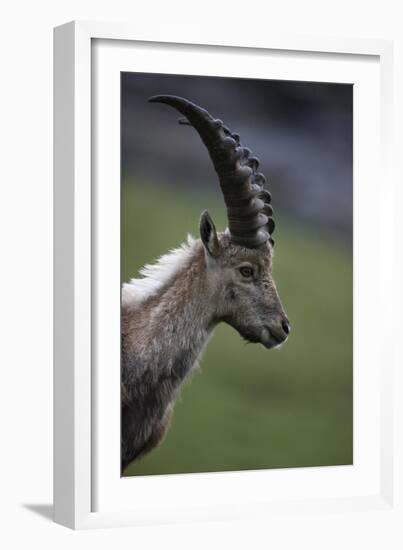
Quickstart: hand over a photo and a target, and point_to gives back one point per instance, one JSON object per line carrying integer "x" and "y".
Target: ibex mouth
{"x": 272, "y": 339}
{"x": 267, "y": 337}
{"x": 250, "y": 338}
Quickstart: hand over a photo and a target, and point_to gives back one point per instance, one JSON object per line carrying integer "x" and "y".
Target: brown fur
{"x": 164, "y": 335}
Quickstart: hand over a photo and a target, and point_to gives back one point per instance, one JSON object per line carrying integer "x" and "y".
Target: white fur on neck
{"x": 157, "y": 275}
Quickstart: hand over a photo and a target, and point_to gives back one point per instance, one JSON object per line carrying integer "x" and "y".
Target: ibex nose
{"x": 286, "y": 326}
{"x": 280, "y": 329}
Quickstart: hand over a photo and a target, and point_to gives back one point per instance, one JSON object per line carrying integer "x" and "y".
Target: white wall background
{"x": 26, "y": 258}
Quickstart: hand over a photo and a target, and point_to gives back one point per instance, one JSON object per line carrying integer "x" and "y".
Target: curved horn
{"x": 248, "y": 205}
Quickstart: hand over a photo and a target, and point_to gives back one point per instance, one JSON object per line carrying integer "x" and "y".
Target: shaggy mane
{"x": 157, "y": 274}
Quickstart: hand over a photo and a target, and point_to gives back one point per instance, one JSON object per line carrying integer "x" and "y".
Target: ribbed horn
{"x": 248, "y": 204}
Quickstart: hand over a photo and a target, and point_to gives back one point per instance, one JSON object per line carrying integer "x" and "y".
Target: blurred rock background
{"x": 300, "y": 131}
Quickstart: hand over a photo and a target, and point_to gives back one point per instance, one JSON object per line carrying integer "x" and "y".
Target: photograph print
{"x": 236, "y": 267}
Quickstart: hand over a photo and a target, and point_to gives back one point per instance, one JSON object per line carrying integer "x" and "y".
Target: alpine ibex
{"x": 169, "y": 314}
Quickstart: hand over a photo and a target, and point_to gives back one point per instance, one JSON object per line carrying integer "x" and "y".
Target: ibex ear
{"x": 208, "y": 235}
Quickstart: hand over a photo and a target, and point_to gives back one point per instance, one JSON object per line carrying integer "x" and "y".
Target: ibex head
{"x": 239, "y": 261}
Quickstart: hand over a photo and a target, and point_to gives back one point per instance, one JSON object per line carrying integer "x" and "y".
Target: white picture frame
{"x": 88, "y": 490}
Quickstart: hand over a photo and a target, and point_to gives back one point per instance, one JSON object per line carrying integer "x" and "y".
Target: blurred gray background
{"x": 300, "y": 131}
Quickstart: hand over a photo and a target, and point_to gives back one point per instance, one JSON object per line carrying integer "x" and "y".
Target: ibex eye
{"x": 246, "y": 272}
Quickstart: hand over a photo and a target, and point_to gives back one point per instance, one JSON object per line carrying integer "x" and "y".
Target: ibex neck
{"x": 170, "y": 329}
{"x": 181, "y": 314}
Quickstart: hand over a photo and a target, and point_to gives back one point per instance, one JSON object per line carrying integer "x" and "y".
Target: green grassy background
{"x": 247, "y": 407}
